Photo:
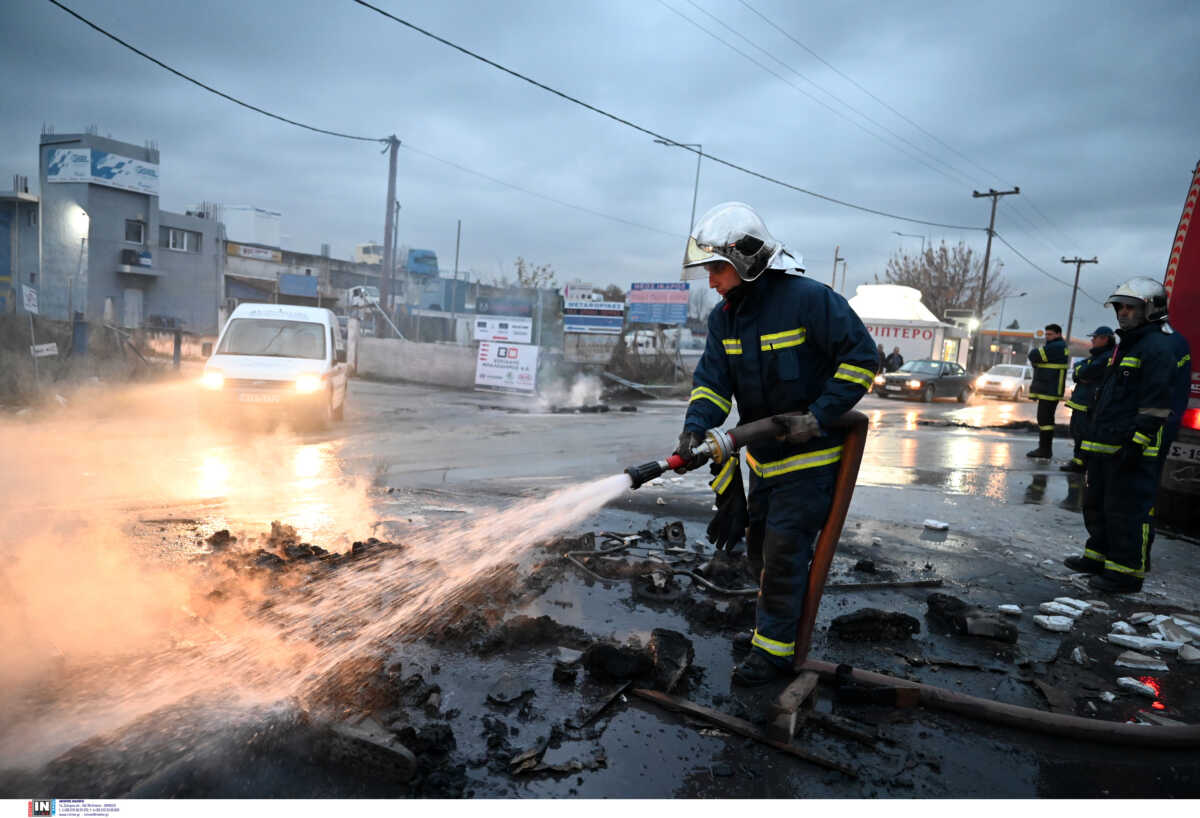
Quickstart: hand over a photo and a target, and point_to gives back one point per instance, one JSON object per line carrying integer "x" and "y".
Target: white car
{"x": 280, "y": 358}
{"x": 1010, "y": 381}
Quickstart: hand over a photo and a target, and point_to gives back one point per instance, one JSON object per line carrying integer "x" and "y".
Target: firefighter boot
{"x": 1045, "y": 438}
{"x": 756, "y": 669}
{"x": 1084, "y": 565}
{"x": 1114, "y": 582}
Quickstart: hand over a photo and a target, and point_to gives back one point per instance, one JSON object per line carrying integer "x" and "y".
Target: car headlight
{"x": 980, "y": 381}
{"x": 307, "y": 384}
{"x": 212, "y": 379}
{"x": 879, "y": 379}
{"x": 914, "y": 384}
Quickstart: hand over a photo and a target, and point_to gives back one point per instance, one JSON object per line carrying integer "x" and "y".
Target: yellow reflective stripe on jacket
{"x": 724, "y": 476}
{"x": 733, "y": 346}
{"x": 807, "y": 460}
{"x": 787, "y": 338}
{"x": 1093, "y": 555}
{"x": 1042, "y": 352}
{"x": 1141, "y": 439}
{"x": 1039, "y": 396}
{"x": 1078, "y": 407}
{"x": 855, "y": 374}
{"x": 1130, "y": 361}
{"x": 1052, "y": 366}
{"x": 1186, "y": 359}
{"x": 704, "y": 393}
{"x": 1101, "y": 448}
{"x": 771, "y": 646}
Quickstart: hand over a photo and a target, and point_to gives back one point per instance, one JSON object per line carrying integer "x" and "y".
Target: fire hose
{"x": 720, "y": 445}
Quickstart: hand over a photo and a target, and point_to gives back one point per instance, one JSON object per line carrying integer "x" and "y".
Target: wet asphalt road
{"x": 421, "y": 455}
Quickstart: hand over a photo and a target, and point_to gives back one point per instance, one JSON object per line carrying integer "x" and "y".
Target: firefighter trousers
{"x": 785, "y": 518}
{"x": 1045, "y": 423}
{"x": 1118, "y": 510}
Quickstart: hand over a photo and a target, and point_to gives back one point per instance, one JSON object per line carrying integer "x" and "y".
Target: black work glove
{"x": 1131, "y": 455}
{"x": 687, "y": 442}
{"x": 728, "y": 525}
{"x": 797, "y": 428}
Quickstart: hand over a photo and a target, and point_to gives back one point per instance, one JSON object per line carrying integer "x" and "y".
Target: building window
{"x": 135, "y": 231}
{"x": 33, "y": 218}
{"x": 185, "y": 241}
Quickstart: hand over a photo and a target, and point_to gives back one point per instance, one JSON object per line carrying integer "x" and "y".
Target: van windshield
{"x": 273, "y": 337}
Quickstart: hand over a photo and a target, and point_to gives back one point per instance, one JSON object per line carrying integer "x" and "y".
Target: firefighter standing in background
{"x": 1087, "y": 375}
{"x": 1124, "y": 436}
{"x": 1049, "y": 378}
{"x": 776, "y": 343}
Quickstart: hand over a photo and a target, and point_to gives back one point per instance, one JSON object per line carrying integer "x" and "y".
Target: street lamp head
{"x": 80, "y": 221}
{"x": 973, "y": 324}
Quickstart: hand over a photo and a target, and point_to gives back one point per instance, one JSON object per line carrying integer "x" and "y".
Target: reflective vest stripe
{"x": 1093, "y": 555}
{"x": 1131, "y": 362}
{"x": 1078, "y": 407}
{"x": 1140, "y": 571}
{"x": 781, "y": 340}
{"x": 703, "y": 392}
{"x": 1040, "y": 396}
{"x": 733, "y": 346}
{"x": 807, "y": 460}
{"x": 855, "y": 374}
{"x": 1051, "y": 366}
{"x": 724, "y": 476}
{"x": 1186, "y": 359}
{"x": 1141, "y": 439}
{"x": 772, "y": 647}
{"x": 1101, "y": 448}
{"x": 1049, "y": 428}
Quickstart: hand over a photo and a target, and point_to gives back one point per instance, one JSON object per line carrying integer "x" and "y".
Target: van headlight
{"x": 307, "y": 384}
{"x": 212, "y": 379}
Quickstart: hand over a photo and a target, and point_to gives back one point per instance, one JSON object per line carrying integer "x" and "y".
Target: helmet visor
{"x": 696, "y": 256}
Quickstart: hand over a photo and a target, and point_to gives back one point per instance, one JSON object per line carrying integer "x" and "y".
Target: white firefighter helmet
{"x": 1142, "y": 290}
{"x": 733, "y": 232}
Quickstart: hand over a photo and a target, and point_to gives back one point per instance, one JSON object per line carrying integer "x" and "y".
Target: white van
{"x": 282, "y": 358}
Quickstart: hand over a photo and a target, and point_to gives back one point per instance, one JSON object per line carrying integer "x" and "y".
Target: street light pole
{"x": 699, "y": 150}
{"x": 1000, "y": 324}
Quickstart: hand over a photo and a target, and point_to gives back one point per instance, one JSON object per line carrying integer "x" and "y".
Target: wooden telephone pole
{"x": 1078, "y": 262}
{"x": 987, "y": 255}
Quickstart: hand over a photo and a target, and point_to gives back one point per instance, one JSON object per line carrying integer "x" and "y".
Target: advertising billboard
{"x": 102, "y": 168}
{"x": 658, "y": 303}
{"x": 602, "y": 317}
{"x": 506, "y": 367}
{"x": 503, "y": 328}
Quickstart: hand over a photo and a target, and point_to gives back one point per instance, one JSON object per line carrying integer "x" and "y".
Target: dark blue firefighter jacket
{"x": 1049, "y": 370}
{"x": 1087, "y": 375}
{"x": 1134, "y": 399}
{"x": 788, "y": 344}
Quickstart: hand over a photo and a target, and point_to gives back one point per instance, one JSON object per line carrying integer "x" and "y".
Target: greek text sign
{"x": 602, "y": 317}
{"x": 509, "y": 367}
{"x": 658, "y": 303}
{"x": 29, "y": 298}
{"x": 497, "y": 328}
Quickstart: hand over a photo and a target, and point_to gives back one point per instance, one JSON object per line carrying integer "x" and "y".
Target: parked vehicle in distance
{"x": 1011, "y": 381}
{"x": 279, "y": 358}
{"x": 926, "y": 380}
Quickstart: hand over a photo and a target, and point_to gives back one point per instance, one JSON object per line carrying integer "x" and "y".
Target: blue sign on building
{"x": 658, "y": 303}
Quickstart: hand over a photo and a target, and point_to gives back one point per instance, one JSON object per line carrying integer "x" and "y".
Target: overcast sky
{"x": 1089, "y": 107}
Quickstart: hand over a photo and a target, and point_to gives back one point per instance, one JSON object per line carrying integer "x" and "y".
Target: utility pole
{"x": 389, "y": 239}
{"x": 987, "y": 255}
{"x": 843, "y": 287}
{"x": 454, "y": 289}
{"x": 1078, "y": 262}
{"x": 836, "y": 259}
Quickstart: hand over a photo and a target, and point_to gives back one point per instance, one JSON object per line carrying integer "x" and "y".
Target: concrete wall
{"x": 400, "y": 360}
{"x": 190, "y": 287}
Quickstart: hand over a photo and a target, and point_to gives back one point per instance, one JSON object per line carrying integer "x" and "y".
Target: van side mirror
{"x": 341, "y": 355}
{"x": 206, "y": 349}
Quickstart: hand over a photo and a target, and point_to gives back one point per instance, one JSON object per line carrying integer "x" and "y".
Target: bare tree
{"x": 947, "y": 277}
{"x": 536, "y": 276}
{"x": 613, "y": 292}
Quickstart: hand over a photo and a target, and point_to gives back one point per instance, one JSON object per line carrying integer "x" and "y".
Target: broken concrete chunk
{"x": 608, "y": 661}
{"x": 1143, "y": 643}
{"x": 1058, "y": 609}
{"x": 660, "y": 501}
{"x": 369, "y": 747}
{"x": 969, "y": 620}
{"x": 1140, "y": 661}
{"x": 672, "y": 654}
{"x": 1079, "y": 656}
{"x": 936, "y": 525}
{"x": 1158, "y": 618}
{"x": 567, "y": 656}
{"x": 1010, "y": 610}
{"x": 1192, "y": 630}
{"x": 508, "y": 689}
{"x": 874, "y": 625}
{"x": 1099, "y": 605}
{"x": 1134, "y": 686}
{"x": 1108, "y": 696}
{"x": 1189, "y": 654}
{"x": 1058, "y": 624}
{"x": 1125, "y": 628}
{"x": 1141, "y": 618}
{"x": 1074, "y": 603}
{"x": 1168, "y": 630}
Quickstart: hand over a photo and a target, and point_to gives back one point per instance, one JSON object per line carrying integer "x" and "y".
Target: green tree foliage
{"x": 948, "y": 277}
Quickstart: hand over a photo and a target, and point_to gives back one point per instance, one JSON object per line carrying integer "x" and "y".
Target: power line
{"x": 962, "y": 178}
{"x": 615, "y": 118}
{"x": 916, "y": 125}
{"x": 1042, "y": 271}
{"x": 580, "y": 208}
{"x": 209, "y": 88}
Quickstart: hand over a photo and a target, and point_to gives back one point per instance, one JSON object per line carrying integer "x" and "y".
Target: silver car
{"x": 1009, "y": 381}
